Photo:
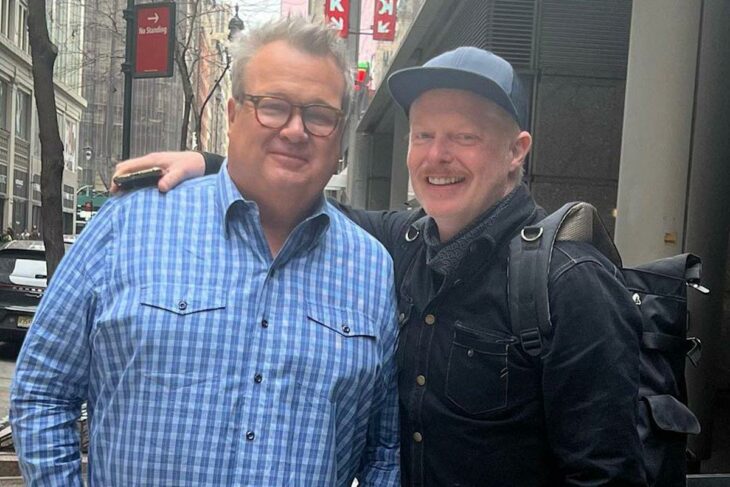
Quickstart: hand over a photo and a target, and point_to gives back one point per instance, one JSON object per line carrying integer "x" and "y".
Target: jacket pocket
{"x": 477, "y": 376}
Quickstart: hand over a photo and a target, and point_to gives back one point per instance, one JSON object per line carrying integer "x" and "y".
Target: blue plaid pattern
{"x": 206, "y": 362}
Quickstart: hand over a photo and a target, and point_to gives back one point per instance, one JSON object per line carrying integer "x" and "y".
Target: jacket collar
{"x": 477, "y": 242}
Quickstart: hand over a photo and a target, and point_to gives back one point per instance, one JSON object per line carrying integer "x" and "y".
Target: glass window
{"x": 22, "y": 115}
{"x": 5, "y": 14}
{"x": 21, "y": 29}
{"x": 4, "y": 95}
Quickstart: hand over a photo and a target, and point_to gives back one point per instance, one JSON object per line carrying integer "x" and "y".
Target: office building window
{"x": 21, "y": 28}
{"x": 5, "y": 17}
{"x": 4, "y": 96}
{"x": 22, "y": 115}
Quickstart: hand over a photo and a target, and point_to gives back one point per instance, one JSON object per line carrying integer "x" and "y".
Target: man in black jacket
{"x": 476, "y": 410}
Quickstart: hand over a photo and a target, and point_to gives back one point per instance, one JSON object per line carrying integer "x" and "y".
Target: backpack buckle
{"x": 531, "y": 341}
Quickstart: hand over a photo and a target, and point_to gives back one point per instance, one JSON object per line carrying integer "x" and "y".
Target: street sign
{"x": 337, "y": 15}
{"x": 154, "y": 35}
{"x": 384, "y": 20}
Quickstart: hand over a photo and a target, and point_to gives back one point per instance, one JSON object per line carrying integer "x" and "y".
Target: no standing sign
{"x": 154, "y": 35}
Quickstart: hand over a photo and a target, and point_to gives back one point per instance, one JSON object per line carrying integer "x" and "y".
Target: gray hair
{"x": 308, "y": 36}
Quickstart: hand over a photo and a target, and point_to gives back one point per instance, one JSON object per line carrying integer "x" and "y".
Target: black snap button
{"x": 250, "y": 435}
{"x": 345, "y": 329}
{"x": 182, "y": 305}
{"x": 258, "y": 378}
{"x": 264, "y": 324}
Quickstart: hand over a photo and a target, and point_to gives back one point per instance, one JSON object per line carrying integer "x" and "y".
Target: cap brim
{"x": 408, "y": 84}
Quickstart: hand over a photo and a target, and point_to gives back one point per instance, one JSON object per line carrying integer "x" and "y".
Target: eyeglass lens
{"x": 318, "y": 120}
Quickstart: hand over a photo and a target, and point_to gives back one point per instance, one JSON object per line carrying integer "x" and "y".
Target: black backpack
{"x": 659, "y": 288}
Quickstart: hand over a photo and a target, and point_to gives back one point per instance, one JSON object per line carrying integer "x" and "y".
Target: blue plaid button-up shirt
{"x": 203, "y": 360}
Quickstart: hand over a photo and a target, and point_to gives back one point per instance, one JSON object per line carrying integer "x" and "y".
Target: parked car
{"x": 22, "y": 283}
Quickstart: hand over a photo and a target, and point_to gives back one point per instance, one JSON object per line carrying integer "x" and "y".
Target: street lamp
{"x": 88, "y": 154}
{"x": 235, "y": 25}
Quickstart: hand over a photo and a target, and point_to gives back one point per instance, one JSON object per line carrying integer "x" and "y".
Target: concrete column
{"x": 359, "y": 156}
{"x": 380, "y": 170}
{"x": 660, "y": 87}
{"x": 399, "y": 171}
{"x": 10, "y": 185}
{"x": 672, "y": 194}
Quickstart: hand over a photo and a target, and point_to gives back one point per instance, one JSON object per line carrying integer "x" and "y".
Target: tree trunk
{"x": 188, "y": 93}
{"x": 43, "y": 54}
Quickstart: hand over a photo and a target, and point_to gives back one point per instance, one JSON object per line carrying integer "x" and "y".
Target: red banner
{"x": 337, "y": 14}
{"x": 154, "y": 33}
{"x": 384, "y": 20}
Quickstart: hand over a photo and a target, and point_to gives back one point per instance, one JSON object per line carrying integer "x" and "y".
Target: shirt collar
{"x": 231, "y": 202}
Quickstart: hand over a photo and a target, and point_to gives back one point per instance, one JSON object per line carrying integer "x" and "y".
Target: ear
{"x": 232, "y": 105}
{"x": 520, "y": 147}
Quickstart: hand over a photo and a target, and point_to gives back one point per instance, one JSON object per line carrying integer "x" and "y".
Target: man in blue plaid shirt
{"x": 240, "y": 331}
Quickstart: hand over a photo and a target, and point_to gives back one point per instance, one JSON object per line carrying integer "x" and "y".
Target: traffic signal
{"x": 363, "y": 70}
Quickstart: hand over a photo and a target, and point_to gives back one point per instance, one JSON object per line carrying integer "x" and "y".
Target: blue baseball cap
{"x": 465, "y": 68}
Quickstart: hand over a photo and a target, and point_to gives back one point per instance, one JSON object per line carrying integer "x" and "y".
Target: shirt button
{"x": 421, "y": 380}
{"x": 264, "y": 324}
{"x": 258, "y": 378}
{"x": 430, "y": 319}
{"x": 470, "y": 352}
{"x": 417, "y": 437}
{"x": 250, "y": 435}
{"x": 182, "y": 305}
{"x": 401, "y": 317}
{"x": 345, "y": 329}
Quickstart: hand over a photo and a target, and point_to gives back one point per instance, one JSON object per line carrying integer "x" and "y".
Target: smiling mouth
{"x": 444, "y": 181}
{"x": 290, "y": 156}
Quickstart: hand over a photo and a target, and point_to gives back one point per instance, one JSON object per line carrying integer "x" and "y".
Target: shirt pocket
{"x": 477, "y": 375}
{"x": 344, "y": 349}
{"x": 183, "y": 300}
{"x": 182, "y": 325}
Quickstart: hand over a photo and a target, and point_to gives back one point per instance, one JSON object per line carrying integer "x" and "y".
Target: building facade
{"x": 20, "y": 164}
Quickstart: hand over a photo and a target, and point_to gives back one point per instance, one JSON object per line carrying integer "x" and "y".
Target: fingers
{"x": 176, "y": 168}
{"x": 171, "y": 178}
{"x": 154, "y": 159}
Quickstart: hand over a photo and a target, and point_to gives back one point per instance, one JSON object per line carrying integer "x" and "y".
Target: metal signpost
{"x": 150, "y": 46}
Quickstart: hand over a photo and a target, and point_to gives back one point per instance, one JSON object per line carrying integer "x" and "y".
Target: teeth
{"x": 444, "y": 181}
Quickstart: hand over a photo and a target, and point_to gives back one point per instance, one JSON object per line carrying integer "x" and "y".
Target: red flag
{"x": 337, "y": 14}
{"x": 384, "y": 20}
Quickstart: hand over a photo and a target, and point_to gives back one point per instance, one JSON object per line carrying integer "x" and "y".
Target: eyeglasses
{"x": 274, "y": 113}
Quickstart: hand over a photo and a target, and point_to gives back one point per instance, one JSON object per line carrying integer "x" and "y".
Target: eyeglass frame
{"x": 256, "y": 99}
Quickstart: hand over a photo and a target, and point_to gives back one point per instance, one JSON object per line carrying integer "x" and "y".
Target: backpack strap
{"x": 530, "y": 254}
{"x": 408, "y": 243}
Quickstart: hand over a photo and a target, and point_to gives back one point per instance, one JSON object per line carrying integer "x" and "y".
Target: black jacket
{"x": 476, "y": 410}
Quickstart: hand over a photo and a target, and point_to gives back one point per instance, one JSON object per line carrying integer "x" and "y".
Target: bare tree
{"x": 43, "y": 55}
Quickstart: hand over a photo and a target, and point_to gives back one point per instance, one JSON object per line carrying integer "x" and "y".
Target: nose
{"x": 294, "y": 130}
{"x": 440, "y": 150}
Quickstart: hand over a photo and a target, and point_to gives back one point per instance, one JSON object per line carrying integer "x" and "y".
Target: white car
{"x": 22, "y": 283}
